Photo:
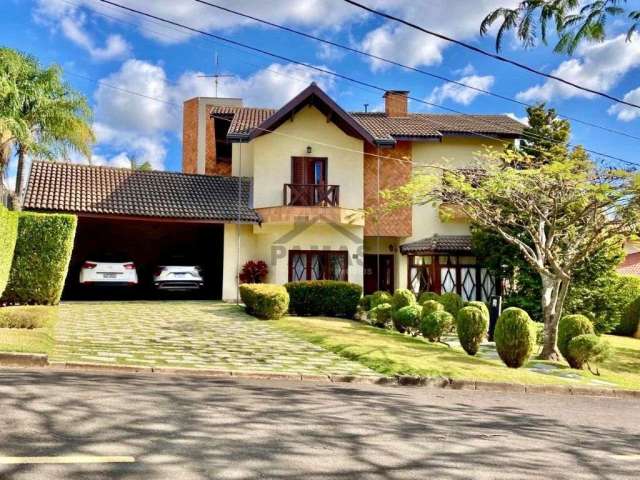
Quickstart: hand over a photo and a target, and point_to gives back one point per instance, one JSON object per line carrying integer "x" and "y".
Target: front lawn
{"x": 392, "y": 353}
{"x": 35, "y": 334}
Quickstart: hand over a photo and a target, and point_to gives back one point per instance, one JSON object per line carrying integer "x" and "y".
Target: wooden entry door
{"x": 308, "y": 175}
{"x": 378, "y": 278}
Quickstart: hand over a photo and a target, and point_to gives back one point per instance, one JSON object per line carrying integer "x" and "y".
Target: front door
{"x": 378, "y": 273}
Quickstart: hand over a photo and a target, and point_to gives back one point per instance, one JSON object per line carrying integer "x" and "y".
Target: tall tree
{"x": 574, "y": 21}
{"x": 40, "y": 115}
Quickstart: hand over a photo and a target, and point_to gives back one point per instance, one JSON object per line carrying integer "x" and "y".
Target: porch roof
{"x": 439, "y": 244}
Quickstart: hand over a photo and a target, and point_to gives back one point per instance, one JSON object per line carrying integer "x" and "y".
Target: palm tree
{"x": 40, "y": 115}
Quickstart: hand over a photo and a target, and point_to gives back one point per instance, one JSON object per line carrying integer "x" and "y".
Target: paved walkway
{"x": 208, "y": 335}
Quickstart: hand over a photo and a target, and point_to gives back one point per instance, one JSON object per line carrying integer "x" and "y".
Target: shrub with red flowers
{"x": 254, "y": 271}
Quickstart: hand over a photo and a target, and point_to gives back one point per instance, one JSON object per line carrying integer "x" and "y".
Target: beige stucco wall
{"x": 268, "y": 158}
{"x": 230, "y": 260}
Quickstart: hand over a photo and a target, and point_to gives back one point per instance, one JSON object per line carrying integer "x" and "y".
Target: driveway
{"x": 148, "y": 426}
{"x": 194, "y": 334}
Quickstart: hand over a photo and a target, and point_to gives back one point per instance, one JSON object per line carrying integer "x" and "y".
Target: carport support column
{"x": 238, "y": 226}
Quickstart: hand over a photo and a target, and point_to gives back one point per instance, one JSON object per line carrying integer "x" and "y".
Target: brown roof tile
{"x": 439, "y": 243}
{"x": 67, "y": 187}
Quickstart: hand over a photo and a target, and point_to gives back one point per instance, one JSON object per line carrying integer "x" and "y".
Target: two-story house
{"x": 315, "y": 171}
{"x": 297, "y": 187}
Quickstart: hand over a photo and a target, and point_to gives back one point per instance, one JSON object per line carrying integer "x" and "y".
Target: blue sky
{"x": 94, "y": 43}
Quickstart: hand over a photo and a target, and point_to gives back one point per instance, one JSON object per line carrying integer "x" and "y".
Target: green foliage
{"x": 424, "y": 296}
{"x": 539, "y": 329}
{"x": 365, "y": 302}
{"x": 27, "y": 316}
{"x": 41, "y": 258}
{"x": 515, "y": 337}
{"x": 472, "y": 326}
{"x": 435, "y": 324}
{"x": 407, "y": 318}
{"x": 630, "y": 322}
{"x": 265, "y": 300}
{"x": 8, "y": 235}
{"x": 480, "y": 306}
{"x": 380, "y": 315}
{"x": 430, "y": 306}
{"x": 587, "y": 349}
{"x": 324, "y": 297}
{"x": 402, "y": 297}
{"x": 571, "y": 326}
{"x": 379, "y": 297}
{"x": 452, "y": 302}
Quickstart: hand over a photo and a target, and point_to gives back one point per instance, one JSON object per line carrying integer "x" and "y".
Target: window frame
{"x": 325, "y": 263}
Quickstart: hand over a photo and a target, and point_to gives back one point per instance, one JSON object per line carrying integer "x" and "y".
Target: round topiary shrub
{"x": 365, "y": 302}
{"x": 480, "y": 306}
{"x": 472, "y": 326}
{"x": 435, "y": 324}
{"x": 424, "y": 296}
{"x": 380, "y": 315}
{"x": 571, "y": 326}
{"x": 406, "y": 318}
{"x": 630, "y": 321}
{"x": 586, "y": 350}
{"x": 402, "y": 297}
{"x": 380, "y": 297}
{"x": 515, "y": 337}
{"x": 452, "y": 302}
{"x": 431, "y": 306}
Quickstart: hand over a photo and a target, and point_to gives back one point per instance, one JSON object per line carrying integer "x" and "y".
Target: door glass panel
{"x": 488, "y": 284}
{"x": 468, "y": 275}
{"x": 420, "y": 281}
{"x": 447, "y": 279}
{"x": 317, "y": 267}
{"x": 337, "y": 266}
{"x": 299, "y": 266}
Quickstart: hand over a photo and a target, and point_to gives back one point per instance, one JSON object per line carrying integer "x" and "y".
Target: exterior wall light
{"x": 309, "y": 149}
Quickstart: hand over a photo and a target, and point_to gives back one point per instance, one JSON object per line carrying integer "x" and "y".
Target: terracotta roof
{"x": 439, "y": 243}
{"x": 384, "y": 128}
{"x": 630, "y": 265}
{"x": 67, "y": 187}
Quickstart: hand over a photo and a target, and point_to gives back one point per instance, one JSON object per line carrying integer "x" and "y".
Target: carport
{"x": 149, "y": 217}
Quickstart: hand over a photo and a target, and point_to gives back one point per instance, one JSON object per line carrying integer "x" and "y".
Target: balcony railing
{"x": 311, "y": 195}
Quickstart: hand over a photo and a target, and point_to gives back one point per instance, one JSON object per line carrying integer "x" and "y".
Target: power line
{"x": 339, "y": 75}
{"x": 407, "y": 67}
{"x": 491, "y": 55}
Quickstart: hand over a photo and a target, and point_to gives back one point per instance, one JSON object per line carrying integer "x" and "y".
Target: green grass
{"x": 391, "y": 353}
{"x": 27, "y": 340}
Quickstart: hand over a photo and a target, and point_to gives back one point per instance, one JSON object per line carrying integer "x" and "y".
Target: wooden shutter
{"x": 298, "y": 170}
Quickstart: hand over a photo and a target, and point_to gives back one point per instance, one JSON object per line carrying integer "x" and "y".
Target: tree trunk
{"x": 553, "y": 293}
{"x": 17, "y": 199}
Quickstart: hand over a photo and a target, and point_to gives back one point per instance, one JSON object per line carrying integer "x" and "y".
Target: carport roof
{"x": 67, "y": 187}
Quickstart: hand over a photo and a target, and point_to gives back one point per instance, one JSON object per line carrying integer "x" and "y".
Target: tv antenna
{"x": 217, "y": 75}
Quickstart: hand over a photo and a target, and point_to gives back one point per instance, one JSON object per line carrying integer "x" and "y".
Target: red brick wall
{"x": 190, "y": 136}
{"x": 394, "y": 172}
{"x": 395, "y": 104}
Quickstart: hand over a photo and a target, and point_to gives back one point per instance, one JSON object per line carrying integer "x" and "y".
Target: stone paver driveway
{"x": 191, "y": 334}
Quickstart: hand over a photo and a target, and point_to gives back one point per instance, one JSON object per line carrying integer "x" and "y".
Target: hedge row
{"x": 41, "y": 258}
{"x": 265, "y": 300}
{"x": 324, "y": 297}
{"x": 8, "y": 235}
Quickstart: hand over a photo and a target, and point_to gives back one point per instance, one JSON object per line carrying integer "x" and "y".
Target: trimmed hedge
{"x": 452, "y": 302}
{"x": 8, "y": 236}
{"x": 407, "y": 318}
{"x": 472, "y": 326}
{"x": 380, "y": 315}
{"x": 424, "y": 296}
{"x": 435, "y": 324}
{"x": 41, "y": 258}
{"x": 431, "y": 306}
{"x": 515, "y": 337}
{"x": 571, "y": 326}
{"x": 380, "y": 297}
{"x": 402, "y": 297}
{"x": 365, "y": 302}
{"x": 630, "y": 321}
{"x": 324, "y": 297}
{"x": 479, "y": 305}
{"x": 264, "y": 300}
{"x": 27, "y": 316}
{"x": 588, "y": 348}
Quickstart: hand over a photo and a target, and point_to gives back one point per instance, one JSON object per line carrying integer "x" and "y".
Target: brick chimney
{"x": 395, "y": 103}
{"x": 199, "y": 135}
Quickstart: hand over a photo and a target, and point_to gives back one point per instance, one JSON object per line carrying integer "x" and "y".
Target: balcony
{"x": 311, "y": 195}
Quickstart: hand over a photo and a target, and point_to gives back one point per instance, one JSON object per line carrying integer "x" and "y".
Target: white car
{"x": 108, "y": 273}
{"x": 178, "y": 277}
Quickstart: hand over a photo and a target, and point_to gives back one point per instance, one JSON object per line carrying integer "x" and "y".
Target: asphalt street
{"x": 67, "y": 425}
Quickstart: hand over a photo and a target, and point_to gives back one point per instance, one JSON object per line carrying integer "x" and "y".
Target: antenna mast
{"x": 217, "y": 75}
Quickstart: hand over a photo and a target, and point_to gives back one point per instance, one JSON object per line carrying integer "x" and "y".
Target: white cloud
{"x": 141, "y": 124}
{"x": 412, "y": 47}
{"x": 626, "y": 113}
{"x": 466, "y": 71}
{"x": 460, "y": 94}
{"x": 524, "y": 119}
{"x": 598, "y": 66}
{"x": 71, "y": 21}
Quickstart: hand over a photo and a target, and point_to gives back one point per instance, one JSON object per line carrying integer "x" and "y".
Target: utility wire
{"x": 342, "y": 76}
{"x": 407, "y": 67}
{"x": 492, "y": 55}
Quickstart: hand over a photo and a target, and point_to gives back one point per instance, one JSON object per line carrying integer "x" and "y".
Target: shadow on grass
{"x": 204, "y": 428}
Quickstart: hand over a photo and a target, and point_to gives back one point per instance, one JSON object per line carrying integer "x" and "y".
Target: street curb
{"x": 15, "y": 359}
{"x": 30, "y": 360}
